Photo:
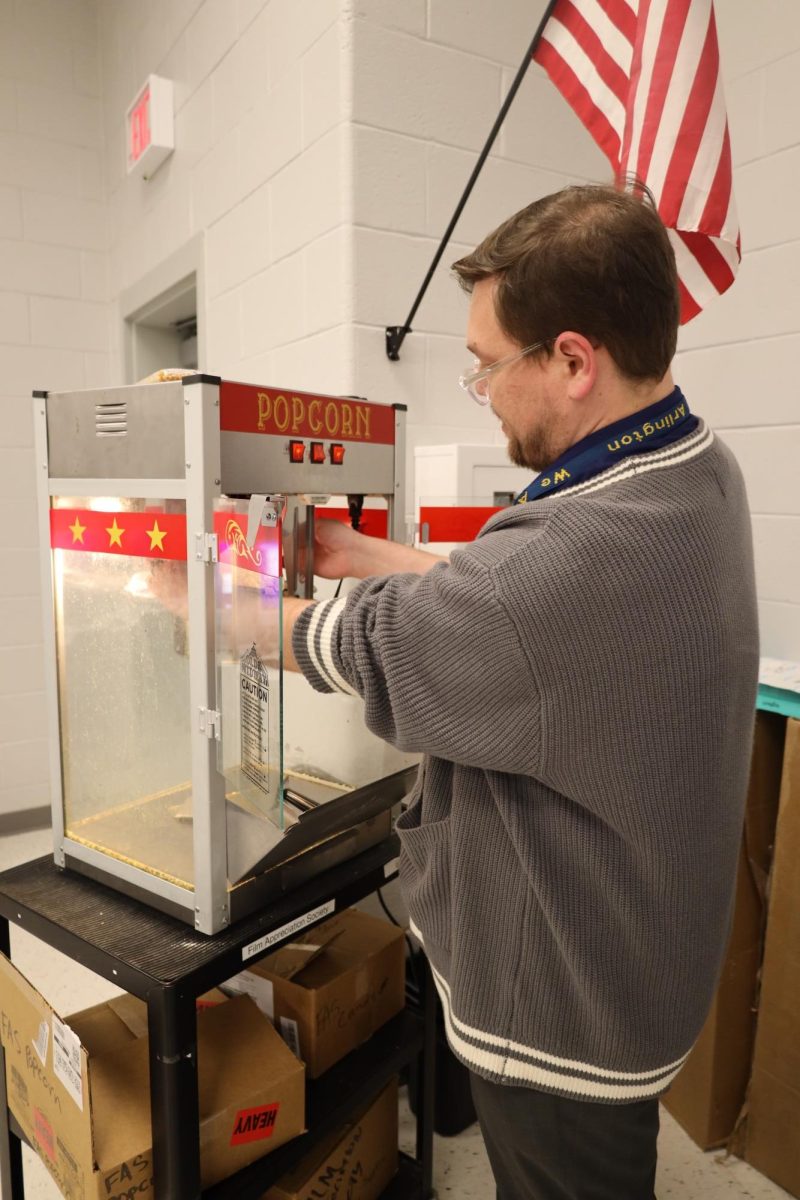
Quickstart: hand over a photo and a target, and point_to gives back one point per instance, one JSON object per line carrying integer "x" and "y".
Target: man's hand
{"x": 342, "y": 553}
{"x": 167, "y": 584}
{"x": 339, "y": 552}
{"x": 250, "y": 618}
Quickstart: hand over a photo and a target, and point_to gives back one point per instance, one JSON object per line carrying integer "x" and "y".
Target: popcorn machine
{"x": 173, "y": 517}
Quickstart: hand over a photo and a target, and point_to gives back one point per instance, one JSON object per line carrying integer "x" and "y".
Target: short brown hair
{"x": 595, "y": 259}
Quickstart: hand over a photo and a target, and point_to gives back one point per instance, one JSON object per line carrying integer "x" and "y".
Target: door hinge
{"x": 210, "y": 723}
{"x": 206, "y": 547}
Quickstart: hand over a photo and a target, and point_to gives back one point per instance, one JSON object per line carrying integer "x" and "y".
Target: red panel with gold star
{"x": 157, "y": 534}
{"x": 152, "y": 534}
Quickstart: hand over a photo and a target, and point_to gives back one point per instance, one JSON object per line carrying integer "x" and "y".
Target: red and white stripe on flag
{"x": 643, "y": 76}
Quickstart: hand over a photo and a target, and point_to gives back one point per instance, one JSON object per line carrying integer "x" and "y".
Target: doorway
{"x": 162, "y": 315}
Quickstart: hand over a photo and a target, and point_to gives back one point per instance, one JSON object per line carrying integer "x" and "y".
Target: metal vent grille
{"x": 111, "y": 420}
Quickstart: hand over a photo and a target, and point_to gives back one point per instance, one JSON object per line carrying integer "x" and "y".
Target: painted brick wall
{"x": 259, "y": 170}
{"x": 320, "y": 150}
{"x": 415, "y": 120}
{"x": 428, "y": 82}
{"x": 54, "y": 326}
{"x": 738, "y": 359}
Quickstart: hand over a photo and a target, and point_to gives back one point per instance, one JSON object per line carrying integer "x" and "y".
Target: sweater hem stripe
{"x": 526, "y": 1065}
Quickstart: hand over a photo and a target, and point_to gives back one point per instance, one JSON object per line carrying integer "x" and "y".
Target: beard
{"x": 536, "y": 451}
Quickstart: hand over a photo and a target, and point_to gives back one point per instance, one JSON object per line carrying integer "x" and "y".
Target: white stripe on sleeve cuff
{"x": 319, "y": 644}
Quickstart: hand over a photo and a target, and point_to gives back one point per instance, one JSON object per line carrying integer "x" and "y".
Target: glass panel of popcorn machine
{"x": 123, "y": 669}
{"x": 249, "y": 682}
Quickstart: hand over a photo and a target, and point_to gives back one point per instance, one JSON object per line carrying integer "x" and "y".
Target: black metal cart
{"x": 156, "y": 958}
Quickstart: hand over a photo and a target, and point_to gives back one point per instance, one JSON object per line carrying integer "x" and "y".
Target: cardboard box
{"x": 355, "y": 1163}
{"x": 773, "y": 1122}
{"x": 79, "y": 1089}
{"x": 707, "y": 1095}
{"x": 209, "y": 999}
{"x": 330, "y": 989}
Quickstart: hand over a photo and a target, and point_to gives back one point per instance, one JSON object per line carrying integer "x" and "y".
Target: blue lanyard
{"x": 666, "y": 421}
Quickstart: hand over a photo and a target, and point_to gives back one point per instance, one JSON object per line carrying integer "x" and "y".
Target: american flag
{"x": 643, "y": 76}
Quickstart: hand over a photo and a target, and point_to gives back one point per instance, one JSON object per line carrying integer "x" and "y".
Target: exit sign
{"x": 150, "y": 127}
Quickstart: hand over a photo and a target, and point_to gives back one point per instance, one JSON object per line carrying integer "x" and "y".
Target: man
{"x": 581, "y": 680}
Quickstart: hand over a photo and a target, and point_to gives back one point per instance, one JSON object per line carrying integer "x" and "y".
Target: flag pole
{"x": 395, "y": 334}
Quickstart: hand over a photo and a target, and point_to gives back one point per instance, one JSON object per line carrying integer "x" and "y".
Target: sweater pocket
{"x": 425, "y": 877}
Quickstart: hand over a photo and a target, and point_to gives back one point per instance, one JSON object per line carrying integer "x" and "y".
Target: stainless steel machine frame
{"x": 196, "y": 440}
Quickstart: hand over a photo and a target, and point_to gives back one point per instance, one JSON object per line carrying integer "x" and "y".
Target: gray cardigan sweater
{"x": 581, "y": 680}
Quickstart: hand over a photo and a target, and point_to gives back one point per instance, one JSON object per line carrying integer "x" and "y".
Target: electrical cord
{"x": 355, "y": 506}
{"x": 382, "y": 903}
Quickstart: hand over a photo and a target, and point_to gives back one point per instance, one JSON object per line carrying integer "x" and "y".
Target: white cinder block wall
{"x": 428, "y": 79}
{"x": 321, "y": 148}
{"x": 54, "y": 328}
{"x": 259, "y": 172}
{"x": 739, "y": 358}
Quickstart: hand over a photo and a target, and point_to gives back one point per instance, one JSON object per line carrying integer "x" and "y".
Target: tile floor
{"x": 461, "y": 1169}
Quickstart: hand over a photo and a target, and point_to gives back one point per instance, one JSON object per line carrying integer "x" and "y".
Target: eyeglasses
{"x": 476, "y": 382}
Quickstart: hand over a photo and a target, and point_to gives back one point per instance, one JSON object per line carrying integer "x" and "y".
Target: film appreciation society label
{"x": 254, "y": 687}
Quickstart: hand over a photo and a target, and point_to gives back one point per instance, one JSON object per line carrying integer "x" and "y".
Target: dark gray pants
{"x": 543, "y": 1147}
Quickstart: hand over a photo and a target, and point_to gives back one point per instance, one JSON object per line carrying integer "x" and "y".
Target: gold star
{"x": 77, "y": 530}
{"x": 156, "y": 536}
{"x": 115, "y": 535}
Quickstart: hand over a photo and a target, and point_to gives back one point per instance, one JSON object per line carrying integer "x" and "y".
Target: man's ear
{"x": 578, "y": 357}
